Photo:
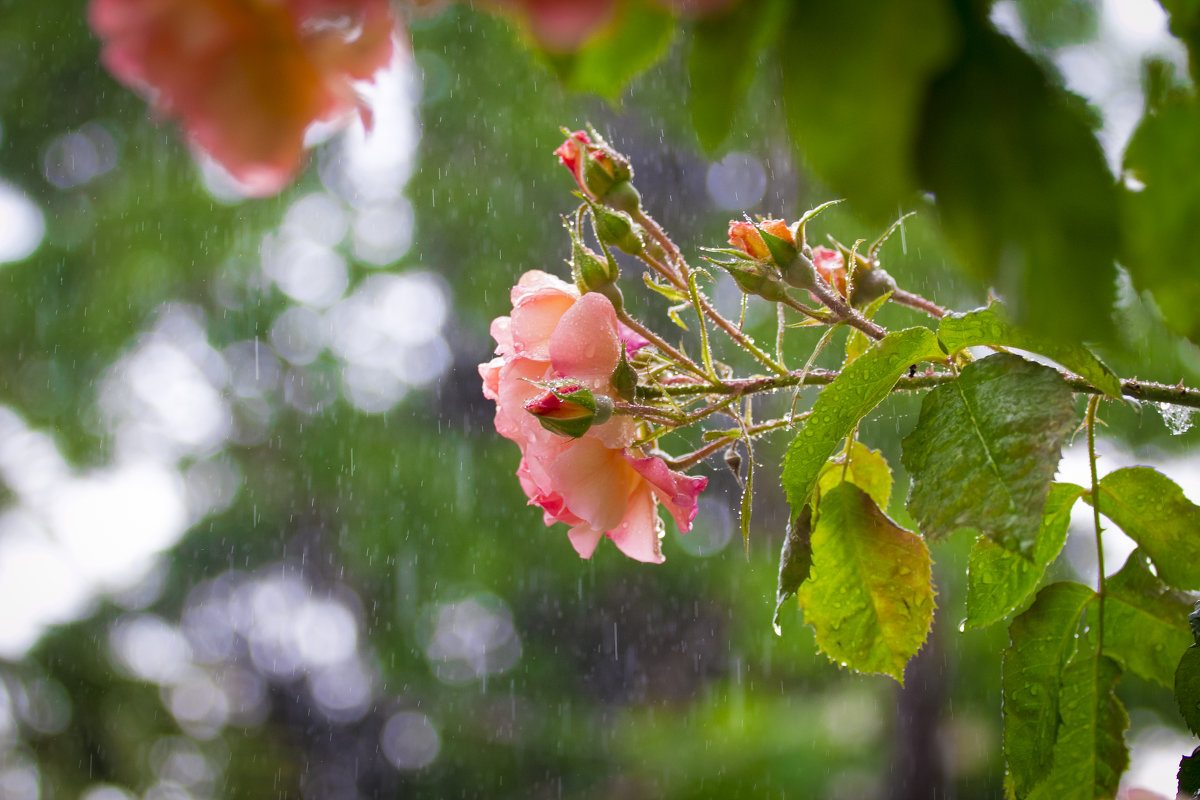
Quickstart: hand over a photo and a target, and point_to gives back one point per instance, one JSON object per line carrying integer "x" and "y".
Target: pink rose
{"x": 247, "y": 78}
{"x": 832, "y": 267}
{"x": 597, "y": 483}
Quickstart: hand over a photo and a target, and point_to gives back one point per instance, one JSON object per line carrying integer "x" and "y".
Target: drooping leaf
{"x": 1189, "y": 774}
{"x": 1151, "y": 509}
{"x": 999, "y": 580}
{"x": 855, "y": 73}
{"x": 989, "y": 326}
{"x": 638, "y": 36}
{"x": 869, "y": 596}
{"x": 1090, "y": 752}
{"x": 724, "y": 54}
{"x": 860, "y": 387}
{"x": 1023, "y": 189}
{"x": 1158, "y": 230}
{"x": 867, "y": 469}
{"x": 1145, "y": 622}
{"x": 1042, "y": 640}
{"x": 1187, "y": 688}
{"x": 795, "y": 561}
{"x": 985, "y": 450}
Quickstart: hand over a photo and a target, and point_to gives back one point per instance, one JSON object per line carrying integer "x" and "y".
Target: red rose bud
{"x": 570, "y": 410}
{"x": 602, "y": 173}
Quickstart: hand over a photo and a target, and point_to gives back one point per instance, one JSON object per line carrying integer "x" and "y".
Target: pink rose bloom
{"x": 832, "y": 267}
{"x": 247, "y": 78}
{"x": 598, "y": 484}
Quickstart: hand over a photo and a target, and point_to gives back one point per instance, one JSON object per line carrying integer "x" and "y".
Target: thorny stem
{"x": 919, "y": 303}
{"x": 725, "y": 437}
{"x": 682, "y": 283}
{"x": 1093, "y": 404}
{"x": 825, "y": 293}
{"x": 1138, "y": 390}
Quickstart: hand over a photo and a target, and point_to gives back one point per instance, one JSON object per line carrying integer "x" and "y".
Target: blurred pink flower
{"x": 598, "y": 484}
{"x": 247, "y": 78}
{"x": 561, "y": 25}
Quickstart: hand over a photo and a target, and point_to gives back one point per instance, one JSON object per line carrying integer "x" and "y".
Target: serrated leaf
{"x": 985, "y": 450}
{"x": 1158, "y": 244}
{"x": 1151, "y": 509}
{"x": 1187, "y": 688}
{"x": 869, "y": 596}
{"x": 1025, "y": 195}
{"x": 1090, "y": 752}
{"x": 724, "y": 53}
{"x": 1041, "y": 642}
{"x": 1189, "y": 774}
{"x": 638, "y": 36}
{"x": 886, "y": 55}
{"x": 669, "y": 292}
{"x": 860, "y": 387}
{"x": 999, "y": 580}
{"x": 989, "y": 326}
{"x": 1145, "y": 622}
{"x": 868, "y": 470}
{"x": 795, "y": 560}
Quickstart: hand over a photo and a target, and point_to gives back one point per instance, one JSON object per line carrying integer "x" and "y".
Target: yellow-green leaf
{"x": 869, "y": 595}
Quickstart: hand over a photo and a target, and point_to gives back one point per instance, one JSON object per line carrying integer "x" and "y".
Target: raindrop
{"x": 1177, "y": 418}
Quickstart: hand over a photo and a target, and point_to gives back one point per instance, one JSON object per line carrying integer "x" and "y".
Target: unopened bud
{"x": 618, "y": 229}
{"x": 570, "y": 409}
{"x": 870, "y": 284}
{"x": 756, "y": 278}
{"x": 590, "y": 270}
{"x": 625, "y": 378}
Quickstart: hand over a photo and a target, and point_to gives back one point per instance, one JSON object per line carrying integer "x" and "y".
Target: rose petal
{"x": 584, "y": 345}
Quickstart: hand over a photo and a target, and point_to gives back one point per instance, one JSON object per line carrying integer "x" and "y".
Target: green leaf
{"x": 985, "y": 450}
{"x": 1185, "y": 23}
{"x": 1059, "y": 23}
{"x": 999, "y": 580}
{"x": 1042, "y": 640}
{"x": 1090, "y": 752}
{"x": 1145, "y": 622}
{"x": 868, "y": 470}
{"x": 1152, "y": 511}
{"x": 1189, "y": 774}
{"x": 1187, "y": 688}
{"x": 1158, "y": 221}
{"x": 724, "y": 54}
{"x": 869, "y": 596}
{"x": 1025, "y": 195}
{"x": 637, "y": 37}
{"x": 989, "y": 326}
{"x": 860, "y": 387}
{"x": 795, "y": 561}
{"x": 855, "y": 74}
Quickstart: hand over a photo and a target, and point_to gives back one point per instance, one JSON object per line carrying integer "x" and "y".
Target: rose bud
{"x": 603, "y": 174}
{"x": 570, "y": 410}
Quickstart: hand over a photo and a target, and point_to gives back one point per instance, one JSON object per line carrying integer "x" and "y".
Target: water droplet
{"x": 1177, "y": 418}
{"x": 962, "y": 626}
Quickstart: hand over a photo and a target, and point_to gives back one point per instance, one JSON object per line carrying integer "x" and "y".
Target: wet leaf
{"x": 638, "y": 37}
{"x": 868, "y": 470}
{"x": 1145, "y": 622}
{"x": 1041, "y": 641}
{"x": 1158, "y": 232}
{"x": 1187, "y": 688}
{"x": 985, "y": 450}
{"x": 1151, "y": 509}
{"x": 860, "y": 387}
{"x": 1025, "y": 195}
{"x": 999, "y": 580}
{"x": 869, "y": 596}
{"x": 990, "y": 326}
{"x": 1090, "y": 752}
{"x": 795, "y": 561}
{"x": 724, "y": 54}
{"x": 1189, "y": 774}
{"x": 857, "y": 123}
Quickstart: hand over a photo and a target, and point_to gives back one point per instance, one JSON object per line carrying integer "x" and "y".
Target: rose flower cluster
{"x": 555, "y": 347}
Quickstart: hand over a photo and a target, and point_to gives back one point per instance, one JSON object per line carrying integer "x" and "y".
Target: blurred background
{"x": 258, "y": 537}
